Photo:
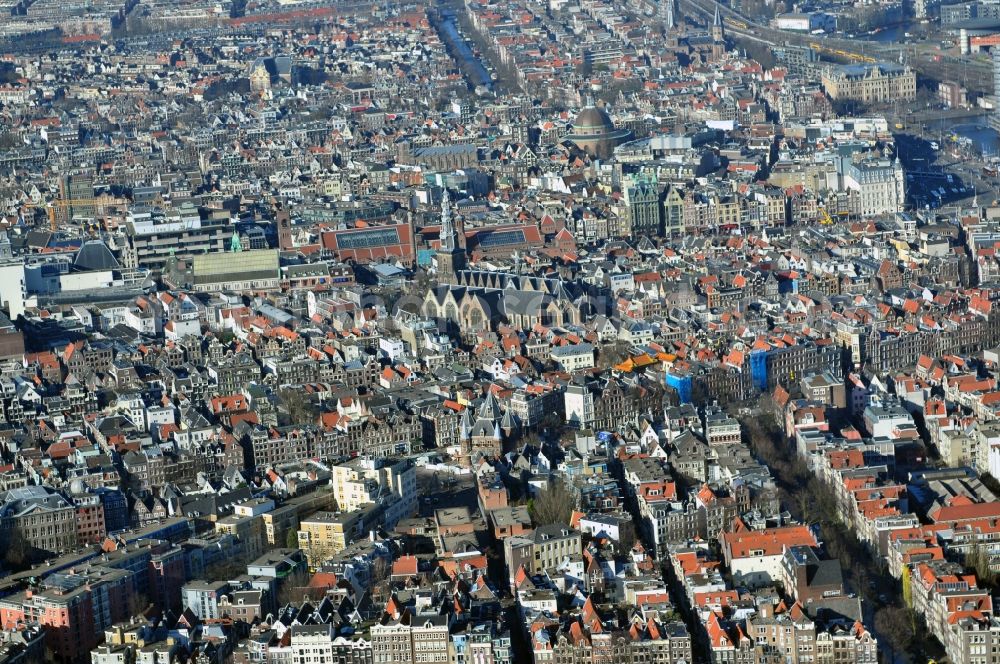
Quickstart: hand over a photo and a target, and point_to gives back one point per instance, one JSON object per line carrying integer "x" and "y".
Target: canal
{"x": 892, "y": 34}
{"x": 984, "y": 138}
{"x": 459, "y": 49}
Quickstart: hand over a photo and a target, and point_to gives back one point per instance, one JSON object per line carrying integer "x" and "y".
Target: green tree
{"x": 292, "y": 539}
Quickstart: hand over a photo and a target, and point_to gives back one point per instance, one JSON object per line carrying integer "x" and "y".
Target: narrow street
{"x": 809, "y": 500}
{"x": 699, "y": 645}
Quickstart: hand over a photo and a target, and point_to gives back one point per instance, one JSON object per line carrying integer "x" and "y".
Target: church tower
{"x": 283, "y": 220}
{"x": 718, "y": 31}
{"x": 666, "y": 8}
{"x": 450, "y": 256}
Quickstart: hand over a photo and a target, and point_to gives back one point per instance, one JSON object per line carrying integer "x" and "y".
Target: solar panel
{"x": 491, "y": 239}
{"x": 375, "y": 237}
{"x": 64, "y": 582}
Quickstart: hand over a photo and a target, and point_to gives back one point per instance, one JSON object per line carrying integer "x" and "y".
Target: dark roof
{"x": 826, "y": 573}
{"x": 38, "y": 238}
{"x": 593, "y": 120}
{"x": 95, "y": 255}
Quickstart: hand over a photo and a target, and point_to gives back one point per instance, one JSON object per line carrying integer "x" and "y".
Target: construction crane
{"x": 63, "y": 203}
{"x": 824, "y": 217}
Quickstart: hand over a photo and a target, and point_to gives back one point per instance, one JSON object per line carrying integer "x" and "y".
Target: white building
{"x": 312, "y": 643}
{"x": 754, "y": 557}
{"x": 366, "y": 481}
{"x": 882, "y": 421}
{"x": 202, "y": 597}
{"x": 12, "y": 288}
{"x": 608, "y": 524}
{"x": 158, "y": 415}
{"x": 574, "y": 357}
{"x": 392, "y": 349}
{"x": 879, "y": 183}
{"x": 578, "y": 401}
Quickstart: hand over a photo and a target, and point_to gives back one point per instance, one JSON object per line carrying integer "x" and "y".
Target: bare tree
{"x": 700, "y": 394}
{"x": 896, "y": 625}
{"x": 612, "y": 354}
{"x": 381, "y": 570}
{"x": 433, "y": 484}
{"x": 136, "y": 604}
{"x": 294, "y": 589}
{"x": 227, "y": 569}
{"x": 379, "y": 584}
{"x": 979, "y": 560}
{"x": 300, "y": 410}
{"x": 554, "y": 504}
{"x": 627, "y": 539}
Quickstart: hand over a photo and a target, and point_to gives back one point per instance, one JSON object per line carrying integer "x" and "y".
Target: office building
{"x": 365, "y": 481}
{"x": 871, "y": 83}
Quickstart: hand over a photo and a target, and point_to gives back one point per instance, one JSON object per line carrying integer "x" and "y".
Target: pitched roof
{"x": 768, "y": 542}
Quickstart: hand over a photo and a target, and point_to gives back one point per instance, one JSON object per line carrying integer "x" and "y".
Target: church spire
{"x": 667, "y": 14}
{"x": 450, "y": 256}
{"x": 447, "y": 230}
{"x": 718, "y": 32}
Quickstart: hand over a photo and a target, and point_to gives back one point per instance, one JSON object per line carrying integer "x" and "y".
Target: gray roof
{"x": 526, "y": 303}
{"x": 17, "y": 502}
{"x": 572, "y": 349}
{"x": 95, "y": 255}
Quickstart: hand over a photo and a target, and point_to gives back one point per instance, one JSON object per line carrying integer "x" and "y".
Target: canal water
{"x": 983, "y": 137}
{"x": 461, "y": 51}
{"x": 895, "y": 33}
